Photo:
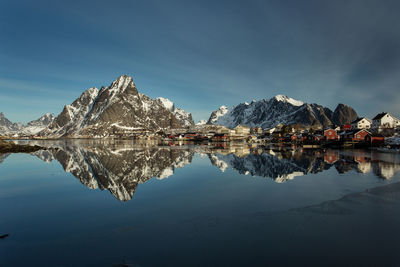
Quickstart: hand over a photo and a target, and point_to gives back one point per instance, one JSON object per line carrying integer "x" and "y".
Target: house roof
{"x": 359, "y": 119}
{"x": 362, "y": 130}
{"x": 380, "y": 116}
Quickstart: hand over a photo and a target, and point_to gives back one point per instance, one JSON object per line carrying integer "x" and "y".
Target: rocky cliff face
{"x": 115, "y": 109}
{"x": 268, "y": 113}
{"x": 185, "y": 118}
{"x": 344, "y": 114}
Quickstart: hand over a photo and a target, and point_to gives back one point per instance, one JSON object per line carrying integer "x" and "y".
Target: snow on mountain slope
{"x": 185, "y": 118}
{"x": 284, "y": 98}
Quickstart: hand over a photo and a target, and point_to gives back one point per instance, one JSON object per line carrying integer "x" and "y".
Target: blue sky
{"x": 200, "y": 54}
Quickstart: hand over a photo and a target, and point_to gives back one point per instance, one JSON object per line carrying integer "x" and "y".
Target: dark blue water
{"x": 89, "y": 204}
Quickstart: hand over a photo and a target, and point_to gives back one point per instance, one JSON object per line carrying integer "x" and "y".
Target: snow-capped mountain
{"x": 215, "y": 115}
{"x": 112, "y": 110}
{"x": 31, "y": 128}
{"x": 35, "y": 126}
{"x": 185, "y": 118}
{"x": 280, "y": 109}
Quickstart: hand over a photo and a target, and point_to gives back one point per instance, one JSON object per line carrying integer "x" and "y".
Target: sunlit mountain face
{"x": 120, "y": 166}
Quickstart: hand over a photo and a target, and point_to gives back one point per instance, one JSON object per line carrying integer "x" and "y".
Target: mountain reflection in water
{"x": 120, "y": 166}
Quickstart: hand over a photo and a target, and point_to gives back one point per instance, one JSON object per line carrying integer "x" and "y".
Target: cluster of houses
{"x": 362, "y": 131}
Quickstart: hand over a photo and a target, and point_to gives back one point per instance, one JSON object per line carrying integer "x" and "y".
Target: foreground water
{"x": 112, "y": 203}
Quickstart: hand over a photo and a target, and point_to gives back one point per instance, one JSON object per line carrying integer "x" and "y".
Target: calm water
{"x": 114, "y": 203}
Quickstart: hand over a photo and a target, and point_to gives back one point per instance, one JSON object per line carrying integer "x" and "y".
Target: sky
{"x": 201, "y": 54}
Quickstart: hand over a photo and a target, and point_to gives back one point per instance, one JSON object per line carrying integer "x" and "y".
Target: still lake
{"x": 120, "y": 203}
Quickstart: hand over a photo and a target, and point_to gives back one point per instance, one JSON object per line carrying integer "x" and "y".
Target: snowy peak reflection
{"x": 118, "y": 168}
{"x": 285, "y": 164}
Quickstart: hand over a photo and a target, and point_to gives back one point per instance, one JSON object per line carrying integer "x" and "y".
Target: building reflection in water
{"x": 120, "y": 167}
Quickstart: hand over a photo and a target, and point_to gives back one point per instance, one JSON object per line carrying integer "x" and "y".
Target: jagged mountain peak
{"x": 343, "y": 114}
{"x": 284, "y": 98}
{"x": 221, "y": 111}
{"x": 122, "y": 82}
{"x": 168, "y": 104}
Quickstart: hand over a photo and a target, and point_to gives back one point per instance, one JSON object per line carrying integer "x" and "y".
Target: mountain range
{"x": 267, "y": 113}
{"x": 119, "y": 108}
{"x": 31, "y": 128}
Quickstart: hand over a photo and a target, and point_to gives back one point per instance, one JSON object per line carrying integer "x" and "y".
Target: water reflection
{"x": 282, "y": 165}
{"x": 120, "y": 167}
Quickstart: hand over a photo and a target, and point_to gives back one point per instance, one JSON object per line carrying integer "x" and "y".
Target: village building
{"x": 375, "y": 139}
{"x": 330, "y": 134}
{"x": 359, "y": 136}
{"x": 361, "y": 123}
{"x": 384, "y": 120}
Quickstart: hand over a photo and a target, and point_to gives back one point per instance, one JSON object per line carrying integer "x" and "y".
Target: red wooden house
{"x": 375, "y": 139}
{"x": 330, "y": 134}
{"x": 359, "y": 136}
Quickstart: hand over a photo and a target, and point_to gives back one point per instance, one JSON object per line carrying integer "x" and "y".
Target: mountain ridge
{"x": 280, "y": 109}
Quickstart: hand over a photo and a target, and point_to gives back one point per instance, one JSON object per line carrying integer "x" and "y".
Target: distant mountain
{"x": 185, "y": 118}
{"x": 31, "y": 128}
{"x": 113, "y": 110}
{"x": 35, "y": 126}
{"x": 268, "y": 113}
{"x": 6, "y": 126}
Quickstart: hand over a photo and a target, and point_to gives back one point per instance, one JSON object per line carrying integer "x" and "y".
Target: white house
{"x": 361, "y": 123}
{"x": 385, "y": 120}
